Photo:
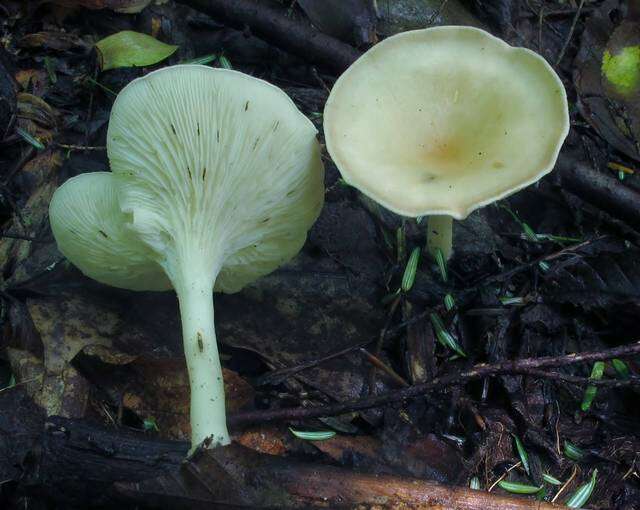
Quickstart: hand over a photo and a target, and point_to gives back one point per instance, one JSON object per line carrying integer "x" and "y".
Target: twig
{"x": 378, "y": 363}
{"x": 378, "y": 347}
{"x": 570, "y": 35}
{"x": 279, "y": 375}
{"x": 81, "y": 147}
{"x": 476, "y": 372}
{"x": 502, "y": 477}
{"x": 558, "y": 13}
{"x": 11, "y": 235}
{"x": 545, "y": 258}
{"x": 566, "y": 484}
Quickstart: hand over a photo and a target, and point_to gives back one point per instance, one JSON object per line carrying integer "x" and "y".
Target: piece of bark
{"x": 270, "y": 22}
{"x": 105, "y": 465}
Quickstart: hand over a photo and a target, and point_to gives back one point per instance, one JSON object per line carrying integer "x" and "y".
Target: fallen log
{"x": 270, "y": 22}
{"x": 81, "y": 464}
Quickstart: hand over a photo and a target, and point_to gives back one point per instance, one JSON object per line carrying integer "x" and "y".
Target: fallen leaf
{"x": 264, "y": 440}
{"x": 131, "y": 49}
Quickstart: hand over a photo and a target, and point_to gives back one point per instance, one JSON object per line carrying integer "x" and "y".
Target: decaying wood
{"x": 601, "y": 190}
{"x": 271, "y": 23}
{"x": 133, "y": 468}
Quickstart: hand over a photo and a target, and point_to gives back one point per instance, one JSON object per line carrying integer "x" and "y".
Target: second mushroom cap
{"x": 445, "y": 120}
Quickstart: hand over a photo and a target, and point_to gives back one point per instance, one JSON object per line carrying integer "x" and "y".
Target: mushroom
{"x": 441, "y": 121}
{"x": 216, "y": 177}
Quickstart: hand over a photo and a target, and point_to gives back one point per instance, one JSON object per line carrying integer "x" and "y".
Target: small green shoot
{"x": 474, "y": 483}
{"x": 100, "y": 85}
{"x": 512, "y": 300}
{"x": 444, "y": 337}
{"x": 224, "y": 62}
{"x": 621, "y": 368}
{"x": 591, "y": 391}
{"x": 28, "y": 137}
{"x": 522, "y": 453}
{"x": 449, "y": 302}
{"x": 582, "y": 495}
{"x": 203, "y": 60}
{"x": 551, "y": 479}
{"x": 518, "y": 488}
{"x": 442, "y": 265}
{"x": 313, "y": 436}
{"x": 149, "y": 424}
{"x": 410, "y": 270}
{"x": 573, "y": 452}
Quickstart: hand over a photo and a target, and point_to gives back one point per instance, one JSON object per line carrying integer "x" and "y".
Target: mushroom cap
{"x": 218, "y": 172}
{"x": 445, "y": 120}
{"x": 91, "y": 231}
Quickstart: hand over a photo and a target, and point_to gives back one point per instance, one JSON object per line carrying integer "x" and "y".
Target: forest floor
{"x": 542, "y": 287}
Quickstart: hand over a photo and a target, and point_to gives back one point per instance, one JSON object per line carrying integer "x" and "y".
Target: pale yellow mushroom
{"x": 442, "y": 121}
{"x": 216, "y": 177}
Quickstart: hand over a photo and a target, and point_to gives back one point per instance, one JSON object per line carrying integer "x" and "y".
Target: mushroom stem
{"x": 440, "y": 235}
{"x": 208, "y": 418}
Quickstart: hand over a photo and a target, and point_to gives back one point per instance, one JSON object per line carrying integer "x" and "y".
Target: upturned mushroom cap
{"x": 91, "y": 231}
{"x": 216, "y": 169}
{"x": 445, "y": 120}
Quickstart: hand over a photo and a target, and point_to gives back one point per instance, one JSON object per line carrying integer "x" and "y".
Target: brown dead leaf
{"x": 264, "y": 440}
{"x": 35, "y": 80}
{"x": 69, "y": 324}
{"x": 65, "y": 393}
{"x": 55, "y": 40}
{"x": 160, "y": 388}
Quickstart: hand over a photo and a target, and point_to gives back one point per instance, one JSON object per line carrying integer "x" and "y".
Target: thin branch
{"x": 571, "y": 30}
{"x": 520, "y": 366}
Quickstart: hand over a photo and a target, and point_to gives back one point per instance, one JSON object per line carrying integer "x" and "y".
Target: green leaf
{"x": 444, "y": 337}
{"x": 551, "y": 479}
{"x": 524, "y": 458}
{"x": 582, "y": 495}
{"x": 621, "y": 368}
{"x": 518, "y": 488}
{"x": 410, "y": 270}
{"x": 313, "y": 436}
{"x": 573, "y": 452}
{"x": 131, "y": 49}
{"x": 591, "y": 391}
